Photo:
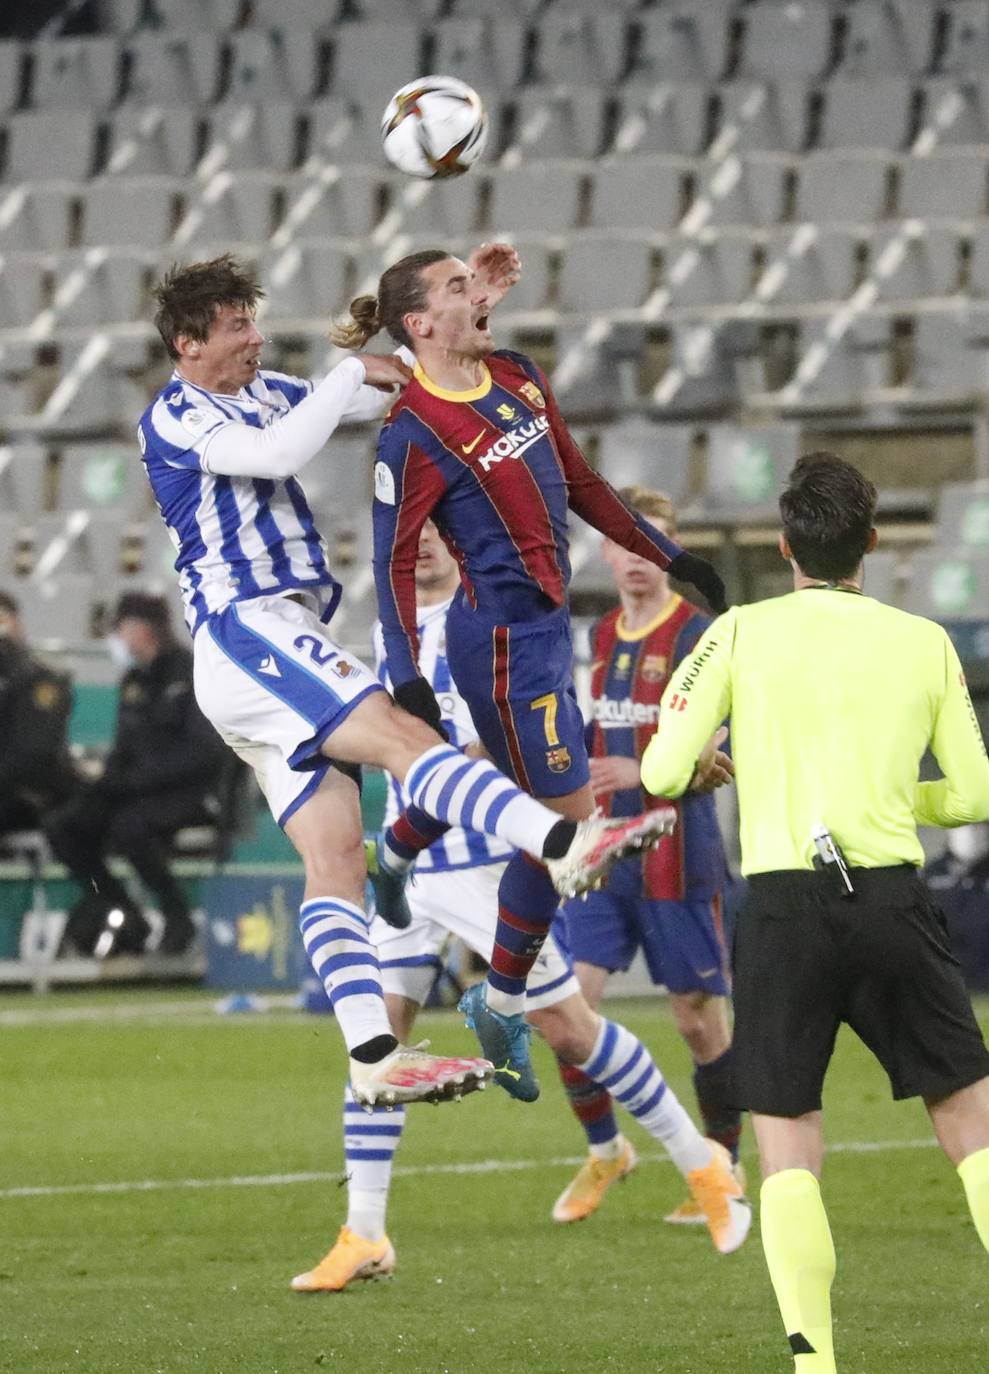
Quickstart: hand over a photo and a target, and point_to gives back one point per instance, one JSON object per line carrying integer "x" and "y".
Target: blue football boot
{"x": 389, "y": 887}
{"x": 504, "y": 1040}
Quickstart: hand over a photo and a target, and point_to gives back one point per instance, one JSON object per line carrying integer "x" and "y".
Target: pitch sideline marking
{"x": 481, "y": 1166}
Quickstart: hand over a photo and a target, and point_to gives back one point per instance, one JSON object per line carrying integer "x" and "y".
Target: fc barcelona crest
{"x": 653, "y": 667}
{"x": 532, "y": 394}
{"x": 558, "y": 760}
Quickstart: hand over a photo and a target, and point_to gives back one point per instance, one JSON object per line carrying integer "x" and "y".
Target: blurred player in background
{"x": 222, "y": 444}
{"x": 666, "y": 903}
{"x": 455, "y": 893}
{"x": 36, "y": 772}
{"x": 834, "y": 700}
{"x": 476, "y": 440}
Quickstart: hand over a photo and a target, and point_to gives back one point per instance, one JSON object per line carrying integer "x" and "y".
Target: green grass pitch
{"x": 155, "y": 1088}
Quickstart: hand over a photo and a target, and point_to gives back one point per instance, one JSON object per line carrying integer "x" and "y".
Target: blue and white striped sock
{"x": 334, "y": 933}
{"x": 472, "y": 793}
{"x": 369, "y": 1144}
{"x": 621, "y": 1063}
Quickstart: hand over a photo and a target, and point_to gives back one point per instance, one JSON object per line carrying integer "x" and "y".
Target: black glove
{"x": 418, "y": 698}
{"x": 687, "y": 567}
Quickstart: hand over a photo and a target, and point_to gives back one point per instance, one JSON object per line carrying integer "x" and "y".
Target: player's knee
{"x": 336, "y": 866}
{"x": 689, "y": 1012}
{"x": 571, "y": 1038}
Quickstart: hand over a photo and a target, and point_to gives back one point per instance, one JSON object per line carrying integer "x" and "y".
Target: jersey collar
{"x": 477, "y": 394}
{"x": 633, "y": 636}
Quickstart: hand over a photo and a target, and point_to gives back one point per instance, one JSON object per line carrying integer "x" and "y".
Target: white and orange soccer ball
{"x": 434, "y": 127}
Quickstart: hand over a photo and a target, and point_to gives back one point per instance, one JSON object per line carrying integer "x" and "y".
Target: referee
{"x": 834, "y": 699}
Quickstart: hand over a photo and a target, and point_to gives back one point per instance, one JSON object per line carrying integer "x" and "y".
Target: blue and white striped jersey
{"x": 237, "y": 537}
{"x": 458, "y": 848}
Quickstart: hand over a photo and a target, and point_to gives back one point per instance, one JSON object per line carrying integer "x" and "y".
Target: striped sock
{"x": 621, "y": 1064}
{"x": 369, "y": 1144}
{"x": 527, "y": 903}
{"x": 334, "y": 933}
{"x": 472, "y": 793}
{"x": 412, "y": 832}
{"x": 590, "y": 1104}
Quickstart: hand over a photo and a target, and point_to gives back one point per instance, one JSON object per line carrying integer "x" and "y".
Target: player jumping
{"x": 477, "y": 441}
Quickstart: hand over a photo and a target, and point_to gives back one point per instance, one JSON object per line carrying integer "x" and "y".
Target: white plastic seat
{"x": 50, "y": 145}
{"x": 75, "y": 73}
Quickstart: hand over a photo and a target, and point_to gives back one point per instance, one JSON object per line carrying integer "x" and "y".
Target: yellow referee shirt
{"x": 833, "y": 699}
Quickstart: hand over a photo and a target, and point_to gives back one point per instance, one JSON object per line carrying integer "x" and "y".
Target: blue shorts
{"x": 683, "y": 942}
{"x": 517, "y": 681}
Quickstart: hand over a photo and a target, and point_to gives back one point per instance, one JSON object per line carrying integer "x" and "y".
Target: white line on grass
{"x": 480, "y": 1166}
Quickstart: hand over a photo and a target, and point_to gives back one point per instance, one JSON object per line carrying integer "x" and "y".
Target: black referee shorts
{"x": 806, "y": 959}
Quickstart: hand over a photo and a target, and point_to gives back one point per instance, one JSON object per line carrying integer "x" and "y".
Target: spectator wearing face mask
{"x": 158, "y": 778}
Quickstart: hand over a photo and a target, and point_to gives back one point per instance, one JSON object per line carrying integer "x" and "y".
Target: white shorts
{"x": 274, "y": 684}
{"x": 461, "y": 902}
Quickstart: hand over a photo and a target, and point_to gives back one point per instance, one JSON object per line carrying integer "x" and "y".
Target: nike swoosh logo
{"x": 469, "y": 448}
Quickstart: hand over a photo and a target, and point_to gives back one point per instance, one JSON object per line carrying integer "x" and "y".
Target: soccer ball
{"x": 434, "y": 127}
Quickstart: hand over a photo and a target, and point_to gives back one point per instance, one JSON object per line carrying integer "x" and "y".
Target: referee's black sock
{"x": 713, "y": 1086}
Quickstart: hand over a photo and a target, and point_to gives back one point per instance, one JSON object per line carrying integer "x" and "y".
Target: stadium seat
{"x": 638, "y": 193}
{"x": 834, "y": 188}
{"x": 866, "y": 112}
{"x": 383, "y": 10}
{"x": 750, "y": 189}
{"x": 103, "y": 477}
{"x": 853, "y": 367}
{"x": 966, "y": 44}
{"x": 261, "y": 136}
{"x": 806, "y": 264}
{"x": 605, "y": 271}
{"x": 702, "y": 377}
{"x": 272, "y": 65}
{"x": 307, "y": 279}
{"x": 589, "y": 377}
{"x": 640, "y": 452}
{"x": 532, "y": 292}
{"x": 176, "y": 16}
{"x": 37, "y": 218}
{"x": 887, "y": 36}
{"x": 11, "y": 57}
{"x": 963, "y": 516}
{"x": 487, "y": 53}
{"x": 347, "y": 206}
{"x": 22, "y": 290}
{"x": 908, "y": 266}
{"x": 680, "y": 42}
{"x": 138, "y": 211}
{"x": 712, "y": 269}
{"x": 432, "y": 211}
{"x": 948, "y": 585}
{"x": 945, "y": 185}
{"x": 50, "y": 145}
{"x": 371, "y": 61}
{"x": 58, "y": 610}
{"x": 562, "y": 122}
{"x": 75, "y": 73}
{"x": 783, "y": 40}
{"x": 978, "y": 265}
{"x": 768, "y": 116}
{"x": 344, "y": 130}
{"x": 957, "y": 110}
{"x": 159, "y": 140}
{"x": 950, "y": 354}
{"x": 164, "y": 65}
{"x": 580, "y": 47}
{"x": 747, "y": 467}
{"x": 535, "y": 197}
{"x": 25, "y": 486}
{"x": 669, "y": 117}
{"x": 230, "y": 208}
{"x": 314, "y": 15}
{"x": 93, "y": 285}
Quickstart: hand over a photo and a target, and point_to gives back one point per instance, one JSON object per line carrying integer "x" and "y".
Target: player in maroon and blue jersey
{"x": 477, "y": 443}
{"x": 666, "y": 903}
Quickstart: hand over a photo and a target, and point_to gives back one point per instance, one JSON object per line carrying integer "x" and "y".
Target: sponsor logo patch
{"x": 515, "y": 442}
{"x": 384, "y": 484}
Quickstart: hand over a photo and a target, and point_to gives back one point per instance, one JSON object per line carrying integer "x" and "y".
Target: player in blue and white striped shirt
{"x": 455, "y": 893}
{"x": 222, "y": 444}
